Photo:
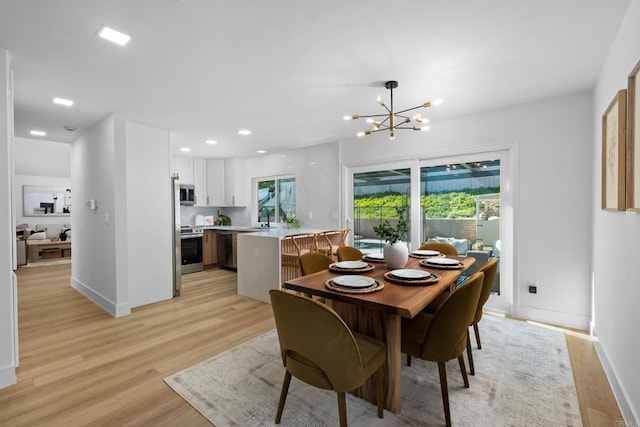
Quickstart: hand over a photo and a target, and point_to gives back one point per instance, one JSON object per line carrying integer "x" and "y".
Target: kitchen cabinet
{"x": 236, "y": 186}
{"x": 215, "y": 182}
{"x": 200, "y": 180}
{"x": 209, "y": 247}
{"x": 183, "y": 166}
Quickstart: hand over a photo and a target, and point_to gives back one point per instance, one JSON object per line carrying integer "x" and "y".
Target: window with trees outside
{"x": 276, "y": 199}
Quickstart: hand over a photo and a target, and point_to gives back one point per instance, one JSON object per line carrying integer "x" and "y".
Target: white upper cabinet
{"x": 183, "y": 166}
{"x": 237, "y": 188}
{"x": 215, "y": 182}
{"x": 200, "y": 181}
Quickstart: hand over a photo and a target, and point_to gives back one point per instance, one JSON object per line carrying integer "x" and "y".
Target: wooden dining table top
{"x": 403, "y": 300}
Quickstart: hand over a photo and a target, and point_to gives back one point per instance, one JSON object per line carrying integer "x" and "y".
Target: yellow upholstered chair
{"x": 442, "y": 247}
{"x": 489, "y": 269}
{"x": 442, "y": 336}
{"x": 349, "y": 253}
{"x": 312, "y": 262}
{"x": 318, "y": 348}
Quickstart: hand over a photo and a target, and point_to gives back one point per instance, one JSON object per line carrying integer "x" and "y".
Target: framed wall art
{"x": 613, "y": 153}
{"x": 45, "y": 200}
{"x": 633, "y": 142}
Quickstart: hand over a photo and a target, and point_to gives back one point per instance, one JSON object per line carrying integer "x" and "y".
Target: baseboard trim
{"x": 568, "y": 320}
{"x": 116, "y": 310}
{"x": 628, "y": 412}
{"x": 8, "y": 376}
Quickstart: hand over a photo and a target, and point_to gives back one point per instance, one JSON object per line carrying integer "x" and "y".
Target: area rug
{"x": 46, "y": 263}
{"x": 523, "y": 378}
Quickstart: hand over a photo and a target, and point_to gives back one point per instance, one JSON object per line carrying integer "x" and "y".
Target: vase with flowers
{"x": 396, "y": 253}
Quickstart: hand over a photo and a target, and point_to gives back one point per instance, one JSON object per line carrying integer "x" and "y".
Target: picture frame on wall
{"x": 633, "y": 141}
{"x": 613, "y": 153}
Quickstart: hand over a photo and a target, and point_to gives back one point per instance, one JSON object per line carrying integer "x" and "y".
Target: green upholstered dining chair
{"x": 489, "y": 269}
{"x": 318, "y": 348}
{"x": 442, "y": 247}
{"x": 349, "y": 253}
{"x": 442, "y": 336}
{"x": 312, "y": 262}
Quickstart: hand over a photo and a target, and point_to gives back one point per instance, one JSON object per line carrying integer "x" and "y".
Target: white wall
{"x": 616, "y": 236}
{"x": 317, "y": 172}
{"x": 42, "y": 158}
{"x": 123, "y": 249}
{"x": 8, "y": 318}
{"x": 93, "y": 271}
{"x": 149, "y": 238}
{"x": 552, "y": 179}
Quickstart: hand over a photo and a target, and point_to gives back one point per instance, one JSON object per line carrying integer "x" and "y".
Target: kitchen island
{"x": 260, "y": 260}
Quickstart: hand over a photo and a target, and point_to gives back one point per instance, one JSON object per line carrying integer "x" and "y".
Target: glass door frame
{"x": 505, "y": 302}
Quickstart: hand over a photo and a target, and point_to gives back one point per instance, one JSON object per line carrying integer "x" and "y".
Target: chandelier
{"x": 393, "y": 120}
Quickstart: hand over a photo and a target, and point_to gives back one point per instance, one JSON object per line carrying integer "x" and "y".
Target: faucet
{"x": 260, "y": 213}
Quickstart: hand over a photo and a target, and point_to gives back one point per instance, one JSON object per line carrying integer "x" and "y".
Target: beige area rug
{"x": 523, "y": 378}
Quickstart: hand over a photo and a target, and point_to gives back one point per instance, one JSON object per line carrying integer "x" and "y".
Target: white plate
{"x": 410, "y": 273}
{"x": 354, "y": 281}
{"x": 426, "y": 252}
{"x": 351, "y": 264}
{"x": 443, "y": 261}
{"x": 379, "y": 255}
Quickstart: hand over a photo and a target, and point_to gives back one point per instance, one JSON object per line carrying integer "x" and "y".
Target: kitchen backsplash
{"x": 188, "y": 214}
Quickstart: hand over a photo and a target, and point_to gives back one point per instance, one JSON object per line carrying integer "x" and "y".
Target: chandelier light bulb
{"x": 380, "y": 100}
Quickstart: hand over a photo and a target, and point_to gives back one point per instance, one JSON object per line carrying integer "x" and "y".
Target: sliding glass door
{"x": 463, "y": 199}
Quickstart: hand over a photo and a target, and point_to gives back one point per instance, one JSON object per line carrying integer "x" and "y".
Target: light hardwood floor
{"x": 80, "y": 366}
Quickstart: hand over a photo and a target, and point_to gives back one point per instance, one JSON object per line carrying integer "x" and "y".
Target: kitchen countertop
{"x": 284, "y": 232}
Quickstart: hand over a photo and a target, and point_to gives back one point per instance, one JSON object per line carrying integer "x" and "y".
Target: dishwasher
{"x": 225, "y": 249}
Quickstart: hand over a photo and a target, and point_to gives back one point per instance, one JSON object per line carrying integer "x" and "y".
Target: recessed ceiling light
{"x": 113, "y": 36}
{"x": 38, "y": 133}
{"x": 211, "y": 141}
{"x": 185, "y": 149}
{"x": 244, "y": 132}
{"x": 261, "y": 151}
{"x": 62, "y": 101}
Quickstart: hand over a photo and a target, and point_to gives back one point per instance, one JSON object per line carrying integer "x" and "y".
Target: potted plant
{"x": 292, "y": 221}
{"x": 396, "y": 253}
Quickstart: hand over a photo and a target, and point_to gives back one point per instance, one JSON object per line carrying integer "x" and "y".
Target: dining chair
{"x": 312, "y": 262}
{"x": 349, "y": 253}
{"x": 318, "y": 348}
{"x": 442, "y": 336}
{"x": 489, "y": 269}
{"x": 442, "y": 247}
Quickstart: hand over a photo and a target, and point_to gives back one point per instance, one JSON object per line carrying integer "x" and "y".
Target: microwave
{"x": 187, "y": 194}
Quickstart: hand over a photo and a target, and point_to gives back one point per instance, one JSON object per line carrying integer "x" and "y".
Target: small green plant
{"x": 292, "y": 221}
{"x": 390, "y": 233}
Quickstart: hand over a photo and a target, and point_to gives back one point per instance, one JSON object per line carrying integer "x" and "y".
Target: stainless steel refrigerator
{"x": 175, "y": 232}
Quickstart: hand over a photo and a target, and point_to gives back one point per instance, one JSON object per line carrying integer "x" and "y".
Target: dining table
{"x": 379, "y": 313}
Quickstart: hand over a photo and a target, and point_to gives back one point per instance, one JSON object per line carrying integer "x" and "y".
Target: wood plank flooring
{"x": 80, "y": 366}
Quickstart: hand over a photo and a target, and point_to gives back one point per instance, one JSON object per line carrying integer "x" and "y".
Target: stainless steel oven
{"x": 191, "y": 248}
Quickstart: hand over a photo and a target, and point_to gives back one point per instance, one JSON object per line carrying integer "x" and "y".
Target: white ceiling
{"x": 289, "y": 70}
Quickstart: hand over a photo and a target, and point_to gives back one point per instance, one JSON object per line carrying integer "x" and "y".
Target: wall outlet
{"x": 310, "y": 215}
{"x": 533, "y": 289}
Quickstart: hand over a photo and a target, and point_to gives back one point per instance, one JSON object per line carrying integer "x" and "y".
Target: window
{"x": 276, "y": 199}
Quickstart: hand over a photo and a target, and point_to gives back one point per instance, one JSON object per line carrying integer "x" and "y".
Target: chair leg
{"x": 477, "y": 331}
{"x": 408, "y": 360}
{"x": 463, "y": 371}
{"x": 283, "y": 395}
{"x": 380, "y": 390}
{"x": 444, "y": 388}
{"x": 472, "y": 369}
{"x": 342, "y": 409}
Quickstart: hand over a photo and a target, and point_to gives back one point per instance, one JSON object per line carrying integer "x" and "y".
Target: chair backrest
{"x": 349, "y": 253}
{"x": 446, "y": 335}
{"x": 313, "y": 336}
{"x": 442, "y": 247}
{"x": 312, "y": 262}
{"x": 489, "y": 269}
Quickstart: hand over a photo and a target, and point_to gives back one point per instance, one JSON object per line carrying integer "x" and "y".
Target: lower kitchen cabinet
{"x": 209, "y": 247}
